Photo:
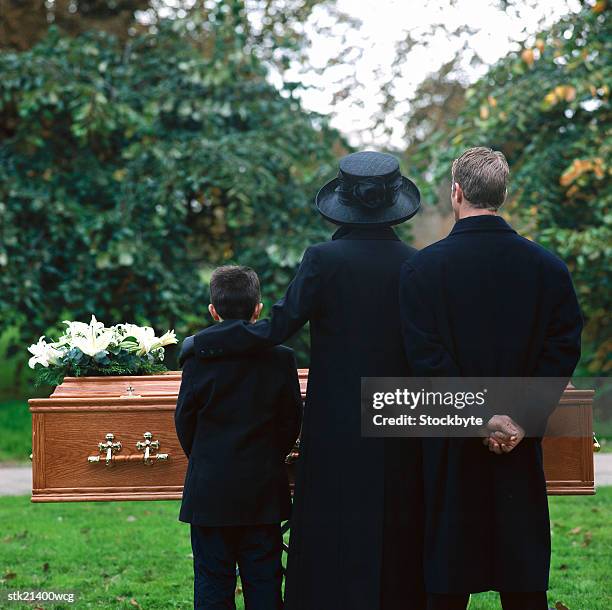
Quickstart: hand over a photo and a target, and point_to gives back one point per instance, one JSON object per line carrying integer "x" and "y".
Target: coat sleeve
{"x": 425, "y": 350}
{"x": 290, "y": 408}
{"x": 187, "y": 406}
{"x": 558, "y": 356}
{"x": 186, "y": 350}
{"x": 561, "y": 348}
{"x": 287, "y": 317}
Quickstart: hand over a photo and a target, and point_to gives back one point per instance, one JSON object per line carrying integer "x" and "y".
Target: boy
{"x": 237, "y": 417}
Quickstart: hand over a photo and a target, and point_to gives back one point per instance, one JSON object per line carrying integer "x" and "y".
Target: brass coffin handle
{"x": 596, "y": 445}
{"x": 146, "y": 446}
{"x": 109, "y": 449}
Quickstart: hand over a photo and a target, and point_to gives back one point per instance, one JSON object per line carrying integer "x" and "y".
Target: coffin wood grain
{"x": 67, "y": 427}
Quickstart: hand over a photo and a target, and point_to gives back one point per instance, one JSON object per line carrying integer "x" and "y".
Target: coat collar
{"x": 479, "y": 224}
{"x": 346, "y": 232}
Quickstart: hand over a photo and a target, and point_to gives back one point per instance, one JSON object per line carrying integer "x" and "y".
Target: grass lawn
{"x": 137, "y": 555}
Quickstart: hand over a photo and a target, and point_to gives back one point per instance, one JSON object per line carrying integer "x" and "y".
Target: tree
{"x": 548, "y": 109}
{"x": 428, "y": 106}
{"x": 25, "y": 22}
{"x": 273, "y": 30}
{"x": 128, "y": 172}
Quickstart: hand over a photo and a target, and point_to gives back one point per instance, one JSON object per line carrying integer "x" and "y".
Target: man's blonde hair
{"x": 482, "y": 174}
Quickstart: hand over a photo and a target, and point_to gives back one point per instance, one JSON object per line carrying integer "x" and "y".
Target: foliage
{"x": 276, "y": 29}
{"x": 14, "y": 373}
{"x": 547, "y": 108}
{"x": 25, "y": 22}
{"x": 76, "y": 365}
{"x": 127, "y": 172}
{"x": 16, "y": 426}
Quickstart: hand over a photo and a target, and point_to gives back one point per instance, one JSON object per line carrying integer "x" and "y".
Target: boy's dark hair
{"x": 234, "y": 291}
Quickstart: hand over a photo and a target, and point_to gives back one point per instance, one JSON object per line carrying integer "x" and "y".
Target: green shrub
{"x": 128, "y": 171}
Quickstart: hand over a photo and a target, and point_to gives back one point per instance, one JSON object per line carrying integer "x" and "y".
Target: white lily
{"x": 144, "y": 338}
{"x": 76, "y": 329}
{"x": 168, "y": 338}
{"x": 43, "y": 353}
{"x": 92, "y": 338}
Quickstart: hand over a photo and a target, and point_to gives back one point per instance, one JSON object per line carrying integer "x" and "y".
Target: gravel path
{"x": 15, "y": 480}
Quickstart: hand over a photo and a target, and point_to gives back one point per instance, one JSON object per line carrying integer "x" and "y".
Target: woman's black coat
{"x": 356, "y": 528}
{"x": 485, "y": 302}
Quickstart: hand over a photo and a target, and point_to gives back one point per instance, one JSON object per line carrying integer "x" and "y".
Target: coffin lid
{"x": 166, "y": 384}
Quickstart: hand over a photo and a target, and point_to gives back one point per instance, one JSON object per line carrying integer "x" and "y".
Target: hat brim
{"x": 406, "y": 206}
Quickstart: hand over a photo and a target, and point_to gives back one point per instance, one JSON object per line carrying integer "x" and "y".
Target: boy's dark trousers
{"x": 257, "y": 551}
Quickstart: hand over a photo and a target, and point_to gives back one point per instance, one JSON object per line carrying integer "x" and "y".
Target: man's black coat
{"x": 356, "y": 534}
{"x": 485, "y": 302}
{"x": 237, "y": 418}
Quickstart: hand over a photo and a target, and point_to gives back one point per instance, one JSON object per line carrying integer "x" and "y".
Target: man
{"x": 485, "y": 302}
{"x": 356, "y": 534}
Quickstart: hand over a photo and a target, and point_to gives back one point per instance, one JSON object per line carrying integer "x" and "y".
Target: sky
{"x": 383, "y": 23}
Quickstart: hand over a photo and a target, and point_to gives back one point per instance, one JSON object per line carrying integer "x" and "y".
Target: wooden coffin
{"x": 113, "y": 438}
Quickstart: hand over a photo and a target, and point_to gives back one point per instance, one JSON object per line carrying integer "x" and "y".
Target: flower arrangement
{"x": 93, "y": 349}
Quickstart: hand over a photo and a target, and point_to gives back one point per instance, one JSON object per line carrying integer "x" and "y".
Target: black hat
{"x": 369, "y": 190}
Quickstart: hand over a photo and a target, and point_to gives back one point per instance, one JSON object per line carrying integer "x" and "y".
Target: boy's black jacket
{"x": 237, "y": 417}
